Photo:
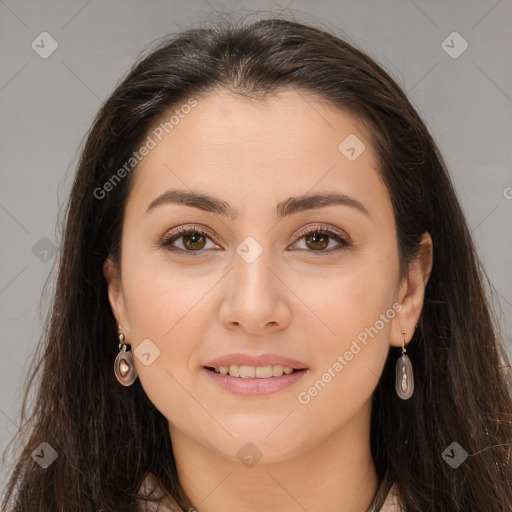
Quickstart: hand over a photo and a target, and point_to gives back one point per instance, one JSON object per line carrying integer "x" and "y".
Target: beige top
{"x": 170, "y": 505}
{"x": 391, "y": 503}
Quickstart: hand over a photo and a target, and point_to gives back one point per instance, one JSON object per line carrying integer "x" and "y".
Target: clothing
{"x": 391, "y": 503}
{"x": 167, "y": 505}
{"x": 170, "y": 505}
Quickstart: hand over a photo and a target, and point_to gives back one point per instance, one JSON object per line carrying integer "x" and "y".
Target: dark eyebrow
{"x": 290, "y": 206}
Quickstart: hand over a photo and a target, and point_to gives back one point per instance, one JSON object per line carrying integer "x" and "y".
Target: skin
{"x": 254, "y": 154}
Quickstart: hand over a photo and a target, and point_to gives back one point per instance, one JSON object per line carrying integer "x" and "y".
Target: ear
{"x": 411, "y": 294}
{"x": 112, "y": 275}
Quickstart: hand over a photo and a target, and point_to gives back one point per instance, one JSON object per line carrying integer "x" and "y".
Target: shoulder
{"x": 151, "y": 487}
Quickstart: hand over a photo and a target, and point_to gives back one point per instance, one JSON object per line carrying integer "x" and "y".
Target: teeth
{"x": 260, "y": 372}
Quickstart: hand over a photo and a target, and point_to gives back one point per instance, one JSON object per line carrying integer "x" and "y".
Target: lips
{"x": 255, "y": 387}
{"x": 239, "y": 380}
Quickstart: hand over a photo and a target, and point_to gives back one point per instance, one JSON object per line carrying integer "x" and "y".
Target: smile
{"x": 259, "y": 372}
{"x": 254, "y": 381}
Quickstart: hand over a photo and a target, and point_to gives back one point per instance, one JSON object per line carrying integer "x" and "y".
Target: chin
{"x": 252, "y": 445}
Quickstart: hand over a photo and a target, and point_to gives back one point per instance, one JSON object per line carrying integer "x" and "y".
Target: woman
{"x": 268, "y": 297}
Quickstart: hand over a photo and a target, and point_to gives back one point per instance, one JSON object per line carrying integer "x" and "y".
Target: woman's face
{"x": 255, "y": 284}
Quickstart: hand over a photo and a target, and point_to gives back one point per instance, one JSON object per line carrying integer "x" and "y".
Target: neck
{"x": 335, "y": 474}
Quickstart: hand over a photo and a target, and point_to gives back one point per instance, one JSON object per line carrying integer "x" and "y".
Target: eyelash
{"x": 167, "y": 241}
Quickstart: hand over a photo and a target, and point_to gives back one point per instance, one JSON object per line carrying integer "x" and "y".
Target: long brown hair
{"x": 108, "y": 437}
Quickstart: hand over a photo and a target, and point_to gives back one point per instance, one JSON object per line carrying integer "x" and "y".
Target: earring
{"x": 404, "y": 383}
{"x": 124, "y": 367}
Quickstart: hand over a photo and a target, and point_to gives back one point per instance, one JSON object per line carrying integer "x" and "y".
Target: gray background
{"x": 47, "y": 105}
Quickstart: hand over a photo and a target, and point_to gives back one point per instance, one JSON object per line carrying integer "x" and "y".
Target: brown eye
{"x": 317, "y": 239}
{"x": 194, "y": 240}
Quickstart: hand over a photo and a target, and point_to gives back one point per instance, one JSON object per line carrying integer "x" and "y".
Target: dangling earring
{"x": 404, "y": 383}
{"x": 123, "y": 365}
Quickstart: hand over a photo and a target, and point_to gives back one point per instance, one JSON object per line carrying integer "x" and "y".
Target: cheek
{"x": 161, "y": 296}
{"x": 162, "y": 306}
{"x": 338, "y": 392}
{"x": 356, "y": 310}
{"x": 344, "y": 300}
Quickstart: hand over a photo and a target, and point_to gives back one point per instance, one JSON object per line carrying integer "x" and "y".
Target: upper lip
{"x": 261, "y": 360}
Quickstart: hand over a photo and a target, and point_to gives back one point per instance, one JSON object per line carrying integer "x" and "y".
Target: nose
{"x": 256, "y": 298}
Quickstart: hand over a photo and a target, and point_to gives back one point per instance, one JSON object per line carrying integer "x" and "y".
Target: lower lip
{"x": 255, "y": 386}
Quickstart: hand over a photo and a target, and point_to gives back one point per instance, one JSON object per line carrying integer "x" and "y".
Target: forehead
{"x": 234, "y": 147}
